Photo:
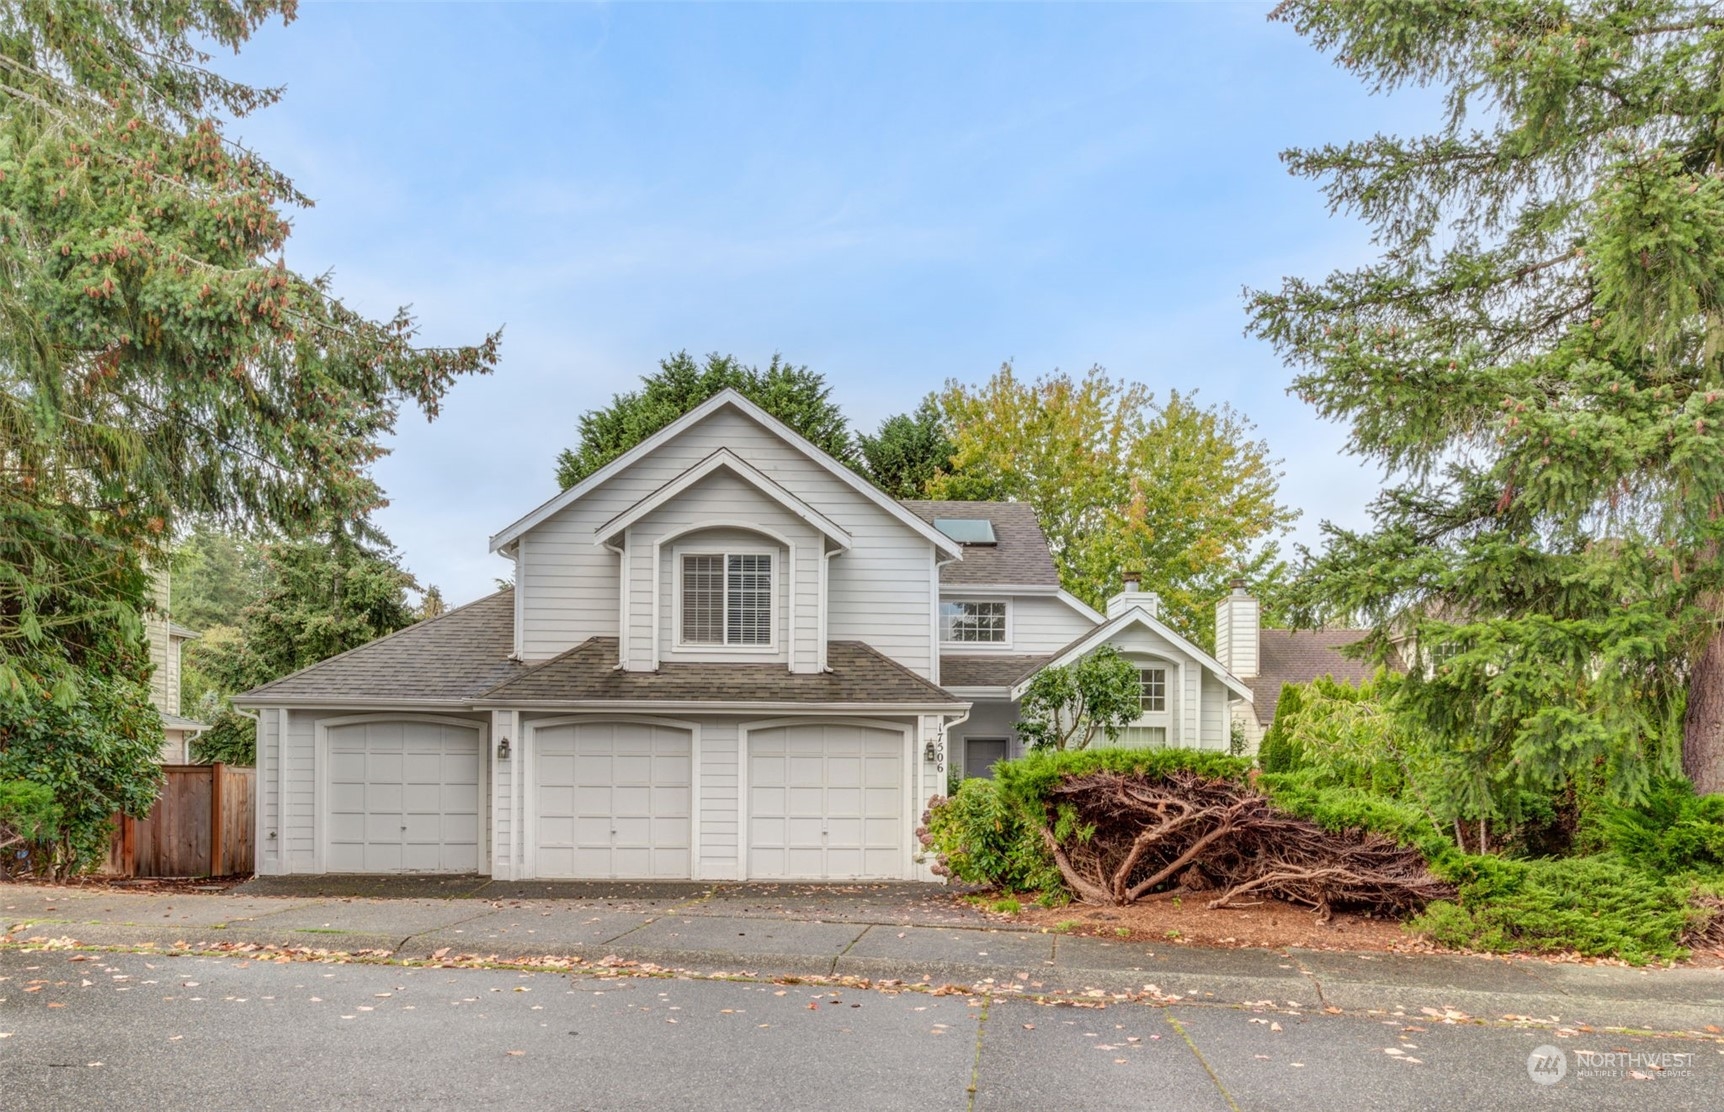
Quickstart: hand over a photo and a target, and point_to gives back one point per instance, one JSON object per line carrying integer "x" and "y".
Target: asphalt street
{"x": 133, "y": 1031}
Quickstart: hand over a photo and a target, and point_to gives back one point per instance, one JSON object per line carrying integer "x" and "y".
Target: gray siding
{"x": 1045, "y": 624}
{"x": 879, "y": 592}
{"x": 988, "y": 719}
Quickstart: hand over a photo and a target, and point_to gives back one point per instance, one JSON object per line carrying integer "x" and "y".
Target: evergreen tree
{"x": 158, "y": 358}
{"x": 795, "y": 395}
{"x": 908, "y": 451}
{"x": 1538, "y": 358}
{"x": 320, "y": 597}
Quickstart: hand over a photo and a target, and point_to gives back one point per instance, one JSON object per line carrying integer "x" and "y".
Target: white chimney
{"x": 1134, "y": 595}
{"x": 1237, "y": 620}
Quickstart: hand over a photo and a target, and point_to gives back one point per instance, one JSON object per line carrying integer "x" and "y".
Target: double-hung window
{"x": 727, "y": 599}
{"x": 973, "y": 623}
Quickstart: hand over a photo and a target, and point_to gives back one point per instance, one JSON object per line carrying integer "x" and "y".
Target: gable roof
{"x": 726, "y": 460}
{"x": 1018, "y": 556}
{"x": 856, "y": 674}
{"x": 727, "y": 397}
{"x": 1137, "y": 615}
{"x": 447, "y": 659}
{"x": 1287, "y": 656}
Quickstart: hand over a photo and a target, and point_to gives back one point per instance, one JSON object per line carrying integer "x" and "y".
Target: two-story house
{"x": 725, "y": 655}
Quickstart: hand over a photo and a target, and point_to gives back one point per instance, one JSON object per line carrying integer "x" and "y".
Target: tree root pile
{"x": 1146, "y": 834}
{"x": 1707, "y": 930}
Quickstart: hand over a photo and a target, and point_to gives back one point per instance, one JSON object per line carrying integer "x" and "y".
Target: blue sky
{"x": 892, "y": 194}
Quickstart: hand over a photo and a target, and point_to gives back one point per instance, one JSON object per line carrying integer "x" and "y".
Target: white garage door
{"x": 826, "y": 802}
{"x": 403, "y": 798}
{"x": 614, "y": 800}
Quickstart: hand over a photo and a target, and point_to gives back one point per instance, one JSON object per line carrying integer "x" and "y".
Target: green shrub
{"x": 1340, "y": 808}
{"x": 1278, "y": 751}
{"x": 1671, "y": 831}
{"x": 1025, "y": 782}
{"x": 1596, "y": 906}
{"x": 981, "y": 839}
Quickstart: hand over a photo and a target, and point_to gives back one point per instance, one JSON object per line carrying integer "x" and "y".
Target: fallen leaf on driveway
{"x": 517, "y": 1053}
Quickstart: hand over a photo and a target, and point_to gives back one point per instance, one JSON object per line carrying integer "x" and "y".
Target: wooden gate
{"x": 202, "y": 825}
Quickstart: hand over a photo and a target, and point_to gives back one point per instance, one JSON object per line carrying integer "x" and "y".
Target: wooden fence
{"x": 202, "y": 825}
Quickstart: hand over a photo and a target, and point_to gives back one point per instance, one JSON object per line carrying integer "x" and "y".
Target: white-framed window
{"x": 964, "y": 622}
{"x": 726, "y": 599}
{"x": 1153, "y": 690}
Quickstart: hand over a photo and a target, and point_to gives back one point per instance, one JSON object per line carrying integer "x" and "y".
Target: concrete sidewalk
{"x": 904, "y": 932}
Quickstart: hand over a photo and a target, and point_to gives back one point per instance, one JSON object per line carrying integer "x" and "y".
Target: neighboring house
{"x": 1269, "y": 659}
{"x": 166, "y": 640}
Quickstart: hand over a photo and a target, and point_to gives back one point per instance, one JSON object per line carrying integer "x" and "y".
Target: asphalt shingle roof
{"x": 1019, "y": 556}
{"x": 1299, "y": 656}
{"x": 996, "y": 670}
{"x": 453, "y": 657}
{"x": 588, "y": 673}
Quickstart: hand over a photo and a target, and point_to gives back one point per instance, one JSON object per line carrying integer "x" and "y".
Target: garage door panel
{"x": 624, "y": 790}
{"x": 402, "y": 796}
{"x": 840, "y": 812}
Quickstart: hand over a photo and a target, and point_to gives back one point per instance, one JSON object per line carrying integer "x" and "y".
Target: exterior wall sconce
{"x": 931, "y": 751}
{"x": 502, "y": 749}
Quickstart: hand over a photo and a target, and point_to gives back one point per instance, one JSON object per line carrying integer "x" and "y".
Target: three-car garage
{"x": 618, "y": 798}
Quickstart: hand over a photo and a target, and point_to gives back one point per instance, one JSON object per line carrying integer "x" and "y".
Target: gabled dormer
{"x": 727, "y": 537}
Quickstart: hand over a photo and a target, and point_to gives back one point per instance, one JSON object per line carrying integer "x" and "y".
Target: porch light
{"x": 503, "y": 749}
{"x": 931, "y": 752}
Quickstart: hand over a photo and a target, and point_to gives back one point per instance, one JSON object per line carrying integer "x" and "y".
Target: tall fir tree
{"x": 795, "y": 395}
{"x": 1537, "y": 358}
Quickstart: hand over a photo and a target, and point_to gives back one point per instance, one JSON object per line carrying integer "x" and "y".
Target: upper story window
{"x": 727, "y": 599}
{"x": 1154, "y": 690}
{"x": 973, "y": 623}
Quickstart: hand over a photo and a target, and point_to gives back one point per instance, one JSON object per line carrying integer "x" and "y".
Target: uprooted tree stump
{"x": 1139, "y": 834}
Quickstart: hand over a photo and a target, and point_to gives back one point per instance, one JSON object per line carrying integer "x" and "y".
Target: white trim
{"x": 283, "y": 857}
{"x": 726, "y": 397}
{"x": 724, "y": 552}
{"x": 726, "y": 706}
{"x": 934, "y": 640}
{"x": 676, "y": 584}
{"x": 824, "y": 605}
{"x": 625, "y": 568}
{"x": 520, "y": 558}
{"x": 726, "y": 459}
{"x": 1080, "y": 606}
{"x": 962, "y": 648}
{"x": 320, "y": 774}
{"x": 910, "y": 805}
{"x": 517, "y": 799}
{"x": 1044, "y": 590}
{"x": 530, "y": 865}
{"x": 1135, "y": 615}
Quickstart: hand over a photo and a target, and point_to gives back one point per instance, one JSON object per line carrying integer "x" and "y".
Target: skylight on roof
{"x": 967, "y": 530}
